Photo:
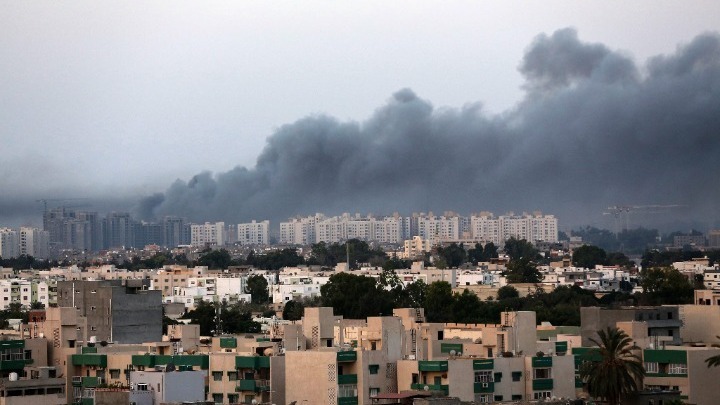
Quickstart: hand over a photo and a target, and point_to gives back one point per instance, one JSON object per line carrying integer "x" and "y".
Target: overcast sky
{"x": 122, "y": 98}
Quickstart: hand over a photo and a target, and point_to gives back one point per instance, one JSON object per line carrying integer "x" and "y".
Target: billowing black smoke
{"x": 594, "y": 130}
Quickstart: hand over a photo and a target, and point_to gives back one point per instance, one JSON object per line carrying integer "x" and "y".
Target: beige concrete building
{"x": 683, "y": 368}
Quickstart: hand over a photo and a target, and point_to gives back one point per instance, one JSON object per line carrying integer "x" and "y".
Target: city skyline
{"x": 572, "y": 120}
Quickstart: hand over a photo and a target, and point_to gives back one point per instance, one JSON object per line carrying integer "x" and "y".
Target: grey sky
{"x": 118, "y": 99}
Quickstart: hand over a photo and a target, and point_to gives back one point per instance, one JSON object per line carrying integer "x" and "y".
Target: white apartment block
{"x": 23, "y": 292}
{"x": 536, "y": 227}
{"x": 318, "y": 228}
{"x": 254, "y": 233}
{"x": 438, "y": 229}
{"x": 299, "y": 231}
{"x": 207, "y": 234}
{"x": 9, "y": 243}
{"x": 483, "y": 227}
{"x": 34, "y": 242}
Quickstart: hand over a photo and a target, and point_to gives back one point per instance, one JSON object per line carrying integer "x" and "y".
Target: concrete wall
{"x": 310, "y": 376}
{"x": 136, "y": 318}
{"x": 701, "y": 323}
{"x": 702, "y": 380}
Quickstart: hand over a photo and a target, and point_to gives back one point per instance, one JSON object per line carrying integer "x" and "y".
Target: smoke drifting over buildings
{"x": 594, "y": 129}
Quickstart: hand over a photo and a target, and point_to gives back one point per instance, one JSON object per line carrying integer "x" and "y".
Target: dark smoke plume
{"x": 594, "y": 129}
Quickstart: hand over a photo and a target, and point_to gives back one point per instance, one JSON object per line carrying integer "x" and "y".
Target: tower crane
{"x": 617, "y": 211}
{"x": 46, "y": 200}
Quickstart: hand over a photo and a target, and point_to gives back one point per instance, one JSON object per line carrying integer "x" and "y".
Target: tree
{"x": 275, "y": 260}
{"x": 588, "y": 256}
{"x": 506, "y": 292}
{"x": 356, "y": 297}
{"x": 216, "y": 259}
{"x": 439, "y": 302}
{"x": 522, "y": 270}
{"x": 257, "y": 286}
{"x": 617, "y": 371}
{"x": 454, "y": 255}
{"x": 482, "y": 253}
{"x": 203, "y": 315}
{"x": 293, "y": 310}
{"x": 665, "y": 286}
{"x": 334, "y": 253}
{"x": 520, "y": 248}
{"x": 237, "y": 318}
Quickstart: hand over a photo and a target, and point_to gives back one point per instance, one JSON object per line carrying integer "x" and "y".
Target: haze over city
{"x": 234, "y": 112}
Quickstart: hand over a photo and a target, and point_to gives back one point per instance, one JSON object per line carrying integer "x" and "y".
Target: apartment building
{"x": 9, "y": 243}
{"x": 207, "y": 234}
{"x": 682, "y": 368}
{"x": 33, "y": 242}
{"x": 300, "y": 230}
{"x": 663, "y": 322}
{"x": 116, "y": 311}
{"x": 253, "y": 233}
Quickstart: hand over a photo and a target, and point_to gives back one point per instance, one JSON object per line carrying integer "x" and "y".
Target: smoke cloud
{"x": 594, "y": 129}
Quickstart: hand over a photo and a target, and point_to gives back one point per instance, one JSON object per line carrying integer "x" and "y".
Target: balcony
{"x": 542, "y": 361}
{"x": 228, "y": 342}
{"x": 433, "y": 365}
{"x": 484, "y": 387}
{"x": 246, "y": 385}
{"x": 148, "y": 360}
{"x": 347, "y": 379}
{"x": 9, "y": 365}
{"x": 484, "y": 364}
{"x": 444, "y": 388}
{"x": 451, "y": 347}
{"x": 346, "y": 356}
{"x": 252, "y": 362}
{"x": 542, "y": 384}
{"x": 91, "y": 382}
{"x": 97, "y": 360}
{"x": 348, "y": 401}
{"x": 253, "y": 385}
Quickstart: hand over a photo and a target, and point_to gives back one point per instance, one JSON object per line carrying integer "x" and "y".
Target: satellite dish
{"x": 452, "y": 352}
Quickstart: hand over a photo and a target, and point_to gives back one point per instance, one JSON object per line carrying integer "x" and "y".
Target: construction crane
{"x": 45, "y": 201}
{"x": 617, "y": 212}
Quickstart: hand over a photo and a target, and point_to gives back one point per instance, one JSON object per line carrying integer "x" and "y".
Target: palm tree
{"x": 713, "y": 361}
{"x": 618, "y": 370}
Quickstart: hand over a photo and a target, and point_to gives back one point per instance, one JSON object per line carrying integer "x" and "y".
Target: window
{"x": 374, "y": 368}
{"x": 498, "y": 397}
{"x": 347, "y": 390}
{"x": 483, "y": 398}
{"x": 233, "y": 398}
{"x": 540, "y": 373}
{"x": 542, "y": 394}
{"x": 218, "y": 398}
{"x": 142, "y": 387}
{"x": 114, "y": 373}
{"x": 651, "y": 367}
{"x": 497, "y": 377}
{"x": 482, "y": 376}
{"x": 217, "y": 375}
{"x": 677, "y": 369}
{"x": 374, "y": 391}
{"x": 516, "y": 397}
{"x": 232, "y": 375}
{"x": 516, "y": 375}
